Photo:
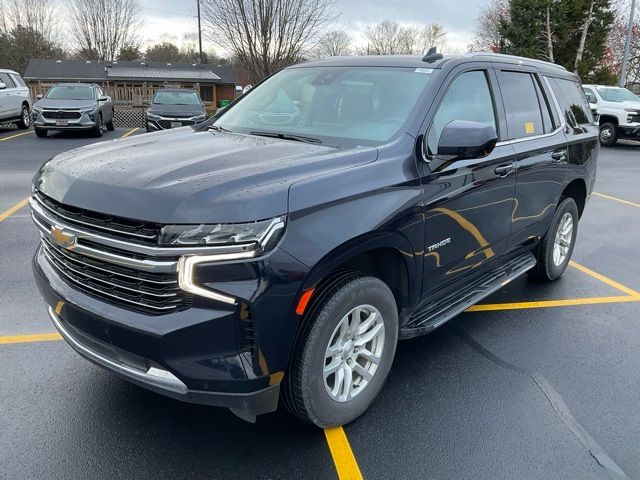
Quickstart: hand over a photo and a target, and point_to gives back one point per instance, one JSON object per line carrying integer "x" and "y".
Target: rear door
{"x": 467, "y": 203}
{"x": 537, "y": 135}
{"x": 7, "y": 98}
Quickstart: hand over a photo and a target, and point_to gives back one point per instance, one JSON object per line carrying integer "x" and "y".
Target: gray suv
{"x": 73, "y": 106}
{"x": 15, "y": 99}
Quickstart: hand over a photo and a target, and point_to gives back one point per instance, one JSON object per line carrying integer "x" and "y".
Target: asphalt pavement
{"x": 539, "y": 382}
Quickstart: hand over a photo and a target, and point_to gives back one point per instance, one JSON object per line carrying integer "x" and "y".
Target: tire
{"x": 305, "y": 388}
{"x": 548, "y": 267}
{"x": 25, "y": 118}
{"x": 110, "y": 126}
{"x": 40, "y": 132}
{"x": 608, "y": 134}
{"x": 97, "y": 131}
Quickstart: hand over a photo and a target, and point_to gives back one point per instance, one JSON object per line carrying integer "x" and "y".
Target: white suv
{"x": 619, "y": 111}
{"x": 15, "y": 99}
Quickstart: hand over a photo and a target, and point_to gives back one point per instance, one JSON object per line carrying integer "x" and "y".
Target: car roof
{"x": 415, "y": 61}
{"x": 177, "y": 90}
{"x": 74, "y": 84}
{"x": 6, "y": 70}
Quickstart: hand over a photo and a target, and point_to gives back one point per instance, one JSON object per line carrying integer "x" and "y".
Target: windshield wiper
{"x": 218, "y": 128}
{"x": 287, "y": 136}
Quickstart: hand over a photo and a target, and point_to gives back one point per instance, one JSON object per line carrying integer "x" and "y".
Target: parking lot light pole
{"x": 627, "y": 46}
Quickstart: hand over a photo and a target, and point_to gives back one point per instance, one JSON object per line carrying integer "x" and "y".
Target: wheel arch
{"x": 607, "y": 118}
{"x": 385, "y": 255}
{"x": 577, "y": 189}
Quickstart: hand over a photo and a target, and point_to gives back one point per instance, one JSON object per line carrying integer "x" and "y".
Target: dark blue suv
{"x": 280, "y": 249}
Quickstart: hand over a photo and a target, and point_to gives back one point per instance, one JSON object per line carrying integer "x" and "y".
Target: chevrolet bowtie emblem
{"x": 63, "y": 239}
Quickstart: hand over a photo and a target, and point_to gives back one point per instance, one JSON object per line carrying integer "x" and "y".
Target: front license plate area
{"x": 176, "y": 124}
{"x": 62, "y": 123}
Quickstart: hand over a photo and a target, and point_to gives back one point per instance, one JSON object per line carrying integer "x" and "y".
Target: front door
{"x": 467, "y": 203}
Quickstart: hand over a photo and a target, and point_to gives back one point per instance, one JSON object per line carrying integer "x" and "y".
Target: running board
{"x": 438, "y": 312}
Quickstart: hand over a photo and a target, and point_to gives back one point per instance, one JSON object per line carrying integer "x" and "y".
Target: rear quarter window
{"x": 18, "y": 80}
{"x": 573, "y": 101}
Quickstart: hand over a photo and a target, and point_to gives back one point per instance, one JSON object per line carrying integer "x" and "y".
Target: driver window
{"x": 467, "y": 98}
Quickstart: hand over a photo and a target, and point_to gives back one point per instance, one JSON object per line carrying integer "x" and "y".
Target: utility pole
{"x": 627, "y": 46}
{"x": 200, "y": 30}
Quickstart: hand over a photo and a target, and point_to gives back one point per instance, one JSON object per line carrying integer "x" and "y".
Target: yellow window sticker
{"x": 529, "y": 128}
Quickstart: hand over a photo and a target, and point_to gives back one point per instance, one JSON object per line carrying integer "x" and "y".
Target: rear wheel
{"x": 555, "y": 250}
{"x": 344, "y": 352}
{"x": 608, "y": 134}
{"x": 25, "y": 118}
{"x": 41, "y": 132}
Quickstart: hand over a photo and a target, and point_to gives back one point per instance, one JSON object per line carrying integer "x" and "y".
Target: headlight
{"x": 87, "y": 110}
{"x": 36, "y": 109}
{"x": 151, "y": 116}
{"x": 199, "y": 118}
{"x": 264, "y": 234}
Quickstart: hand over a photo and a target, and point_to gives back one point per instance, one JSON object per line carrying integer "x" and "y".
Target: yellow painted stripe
{"x": 602, "y": 278}
{"x": 343, "y": 458}
{"x": 36, "y": 337}
{"x": 488, "y": 307}
{"x": 12, "y": 210}
{"x": 130, "y": 132}
{"x": 4, "y": 139}
{"x": 626, "y": 202}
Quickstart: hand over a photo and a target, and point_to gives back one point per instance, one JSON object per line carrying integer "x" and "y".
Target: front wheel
{"x": 25, "y": 118}
{"x": 97, "y": 131}
{"x": 555, "y": 250}
{"x": 608, "y": 134}
{"x": 344, "y": 352}
{"x": 110, "y": 126}
{"x": 40, "y": 132}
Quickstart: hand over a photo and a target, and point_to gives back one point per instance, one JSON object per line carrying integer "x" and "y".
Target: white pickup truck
{"x": 619, "y": 111}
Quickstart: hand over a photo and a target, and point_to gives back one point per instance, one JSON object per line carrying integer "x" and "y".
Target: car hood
{"x": 176, "y": 110}
{"x": 52, "y": 103}
{"x": 632, "y": 104}
{"x": 189, "y": 176}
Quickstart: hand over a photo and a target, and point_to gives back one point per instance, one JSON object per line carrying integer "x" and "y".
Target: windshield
{"x": 176, "y": 98}
{"x": 360, "y": 103}
{"x": 71, "y": 92}
{"x": 616, "y": 94}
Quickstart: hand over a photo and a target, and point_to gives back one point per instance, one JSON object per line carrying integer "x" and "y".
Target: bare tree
{"x": 432, "y": 35}
{"x": 266, "y": 35}
{"x": 583, "y": 37}
{"x": 37, "y": 16}
{"x": 487, "y": 36}
{"x": 102, "y": 27}
{"x": 334, "y": 44}
{"x": 390, "y": 38}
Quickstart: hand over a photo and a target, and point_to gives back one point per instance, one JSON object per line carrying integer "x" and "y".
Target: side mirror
{"x": 220, "y": 111}
{"x": 3, "y": 85}
{"x": 461, "y": 140}
{"x": 103, "y": 98}
{"x": 40, "y": 96}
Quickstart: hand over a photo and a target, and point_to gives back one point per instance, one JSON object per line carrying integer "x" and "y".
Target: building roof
{"x": 98, "y": 71}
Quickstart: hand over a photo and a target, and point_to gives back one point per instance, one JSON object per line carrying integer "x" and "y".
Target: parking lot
{"x": 540, "y": 381}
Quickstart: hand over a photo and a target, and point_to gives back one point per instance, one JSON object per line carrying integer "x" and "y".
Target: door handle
{"x": 559, "y": 156}
{"x": 504, "y": 170}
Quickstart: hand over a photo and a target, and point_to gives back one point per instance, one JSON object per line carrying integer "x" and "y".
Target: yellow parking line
{"x": 130, "y": 132}
{"x": 626, "y": 202}
{"x": 343, "y": 458}
{"x": 603, "y": 279}
{"x": 35, "y": 337}
{"x": 14, "y": 136}
{"x": 570, "y": 302}
{"x": 12, "y": 210}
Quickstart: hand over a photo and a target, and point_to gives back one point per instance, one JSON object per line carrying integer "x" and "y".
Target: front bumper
{"x": 629, "y": 131}
{"x": 166, "y": 123}
{"x": 84, "y": 122}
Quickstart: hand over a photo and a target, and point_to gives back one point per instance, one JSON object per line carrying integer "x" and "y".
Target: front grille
{"x": 634, "y": 118}
{"x": 118, "y": 227}
{"x": 167, "y": 123}
{"x": 149, "y": 292}
{"x": 60, "y": 114}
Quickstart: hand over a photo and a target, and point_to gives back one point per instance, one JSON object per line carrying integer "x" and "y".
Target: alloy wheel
{"x": 353, "y": 353}
{"x": 563, "y": 238}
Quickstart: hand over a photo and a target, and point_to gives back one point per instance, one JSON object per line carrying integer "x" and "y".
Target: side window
{"x": 524, "y": 105}
{"x": 17, "y": 79}
{"x": 7, "y": 80}
{"x": 468, "y": 98}
{"x": 591, "y": 95}
{"x": 576, "y": 106}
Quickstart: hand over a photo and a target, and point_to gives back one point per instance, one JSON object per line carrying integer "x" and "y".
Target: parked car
{"x": 249, "y": 259}
{"x": 173, "y": 108}
{"x": 15, "y": 99}
{"x": 73, "y": 106}
{"x": 619, "y": 111}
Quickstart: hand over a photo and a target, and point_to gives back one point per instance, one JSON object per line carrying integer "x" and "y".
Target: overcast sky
{"x": 172, "y": 19}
